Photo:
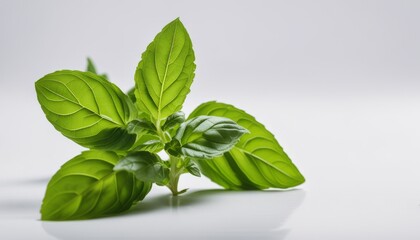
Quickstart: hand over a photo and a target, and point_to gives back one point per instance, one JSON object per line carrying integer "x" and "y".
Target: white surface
{"x": 359, "y": 157}
{"x": 200, "y": 214}
{"x": 336, "y": 81}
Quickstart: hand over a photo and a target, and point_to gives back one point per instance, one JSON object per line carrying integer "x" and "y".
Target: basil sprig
{"x": 126, "y": 131}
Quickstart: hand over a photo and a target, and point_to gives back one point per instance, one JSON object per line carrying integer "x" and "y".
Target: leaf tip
{"x": 36, "y": 84}
{"x": 177, "y": 21}
{"x": 301, "y": 179}
{"x": 244, "y": 130}
{"x": 298, "y": 178}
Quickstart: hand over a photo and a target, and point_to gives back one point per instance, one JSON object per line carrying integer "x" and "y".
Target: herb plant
{"x": 124, "y": 133}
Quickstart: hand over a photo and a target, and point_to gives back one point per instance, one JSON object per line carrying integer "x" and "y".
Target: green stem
{"x": 159, "y": 130}
{"x": 175, "y": 171}
{"x": 174, "y": 175}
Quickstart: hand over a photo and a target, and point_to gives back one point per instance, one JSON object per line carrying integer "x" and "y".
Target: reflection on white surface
{"x": 200, "y": 214}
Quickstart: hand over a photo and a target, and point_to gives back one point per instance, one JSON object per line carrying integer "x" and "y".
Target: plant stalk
{"x": 175, "y": 171}
{"x": 174, "y": 175}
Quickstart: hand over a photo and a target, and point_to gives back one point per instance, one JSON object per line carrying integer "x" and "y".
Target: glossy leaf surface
{"x": 173, "y": 121}
{"x": 87, "y": 187}
{"x": 193, "y": 169}
{"x": 165, "y": 72}
{"x": 146, "y": 166}
{"x": 153, "y": 146}
{"x": 141, "y": 126}
{"x": 206, "y": 137}
{"x": 87, "y": 109}
{"x": 257, "y": 161}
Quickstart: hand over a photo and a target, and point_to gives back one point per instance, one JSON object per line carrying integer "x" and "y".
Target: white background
{"x": 337, "y": 82}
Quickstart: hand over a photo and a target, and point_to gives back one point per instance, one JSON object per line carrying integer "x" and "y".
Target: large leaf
{"x": 87, "y": 109}
{"x": 257, "y": 161}
{"x": 145, "y": 166}
{"x": 165, "y": 73}
{"x": 205, "y": 137}
{"x": 87, "y": 187}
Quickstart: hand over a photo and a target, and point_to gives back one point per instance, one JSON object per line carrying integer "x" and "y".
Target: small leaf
{"x": 91, "y": 68}
{"x": 87, "y": 187}
{"x": 182, "y": 191}
{"x": 173, "y": 121}
{"x": 173, "y": 147}
{"x": 153, "y": 146}
{"x": 165, "y": 72}
{"x": 206, "y": 137}
{"x": 87, "y": 109}
{"x": 193, "y": 169}
{"x": 257, "y": 161}
{"x": 146, "y": 167}
{"x": 141, "y": 126}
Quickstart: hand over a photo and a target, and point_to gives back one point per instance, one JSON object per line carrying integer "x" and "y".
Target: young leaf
{"x": 193, "y": 169}
{"x": 91, "y": 68}
{"x": 87, "y": 187}
{"x": 165, "y": 73}
{"x": 146, "y": 166}
{"x": 173, "y": 121}
{"x": 141, "y": 126}
{"x": 153, "y": 146}
{"x": 87, "y": 109}
{"x": 256, "y": 162}
{"x": 206, "y": 137}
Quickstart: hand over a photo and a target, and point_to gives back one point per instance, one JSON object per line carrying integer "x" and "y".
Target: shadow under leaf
{"x": 203, "y": 214}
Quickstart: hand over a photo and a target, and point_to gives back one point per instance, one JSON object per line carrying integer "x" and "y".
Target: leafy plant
{"x": 125, "y": 133}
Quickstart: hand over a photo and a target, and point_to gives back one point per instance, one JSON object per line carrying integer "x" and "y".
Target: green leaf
{"x": 87, "y": 187}
{"x": 87, "y": 109}
{"x": 256, "y": 162}
{"x": 153, "y": 146}
{"x": 141, "y": 126}
{"x": 165, "y": 73}
{"x": 131, "y": 95}
{"x": 173, "y": 121}
{"x": 91, "y": 68}
{"x": 193, "y": 169}
{"x": 206, "y": 137}
{"x": 146, "y": 166}
{"x": 173, "y": 147}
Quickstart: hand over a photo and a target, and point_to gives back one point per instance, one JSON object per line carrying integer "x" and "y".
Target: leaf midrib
{"x": 264, "y": 161}
{"x": 106, "y": 118}
{"x": 165, "y": 75}
{"x": 81, "y": 194}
